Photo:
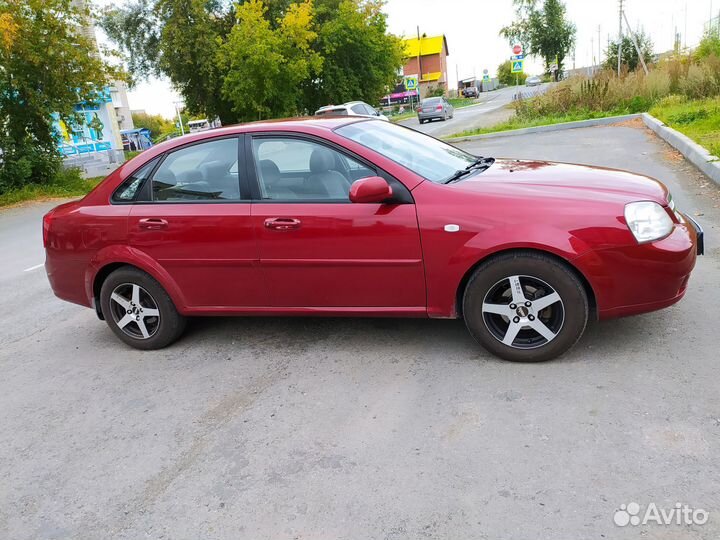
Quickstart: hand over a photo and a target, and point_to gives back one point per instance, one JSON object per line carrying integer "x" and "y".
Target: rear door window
{"x": 204, "y": 171}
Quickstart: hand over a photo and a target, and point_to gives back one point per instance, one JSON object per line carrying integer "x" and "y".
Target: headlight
{"x": 647, "y": 221}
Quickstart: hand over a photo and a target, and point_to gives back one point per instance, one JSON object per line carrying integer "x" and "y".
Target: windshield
{"x": 432, "y": 159}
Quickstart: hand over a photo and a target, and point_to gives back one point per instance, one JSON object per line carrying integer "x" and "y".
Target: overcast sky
{"x": 472, "y": 26}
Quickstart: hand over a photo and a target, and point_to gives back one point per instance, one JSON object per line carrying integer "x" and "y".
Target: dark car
{"x": 471, "y": 92}
{"x": 358, "y": 217}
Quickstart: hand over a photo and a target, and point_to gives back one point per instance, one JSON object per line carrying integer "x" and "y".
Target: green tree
{"x": 157, "y": 124}
{"x": 46, "y": 68}
{"x": 544, "y": 31}
{"x": 709, "y": 44}
{"x": 361, "y": 59}
{"x": 630, "y": 58}
{"x": 506, "y": 76}
{"x": 259, "y": 59}
{"x": 265, "y": 67}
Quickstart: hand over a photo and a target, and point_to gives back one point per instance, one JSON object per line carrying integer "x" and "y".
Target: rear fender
{"x": 139, "y": 259}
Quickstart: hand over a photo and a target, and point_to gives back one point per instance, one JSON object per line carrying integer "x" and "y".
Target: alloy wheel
{"x": 134, "y": 311}
{"x": 523, "y": 312}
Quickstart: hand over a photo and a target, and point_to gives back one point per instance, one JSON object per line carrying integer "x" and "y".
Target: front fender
{"x": 449, "y": 262}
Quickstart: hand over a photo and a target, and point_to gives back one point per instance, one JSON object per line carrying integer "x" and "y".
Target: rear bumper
{"x": 431, "y": 115}
{"x": 635, "y": 279}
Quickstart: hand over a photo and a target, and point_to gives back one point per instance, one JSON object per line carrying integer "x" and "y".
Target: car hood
{"x": 564, "y": 180}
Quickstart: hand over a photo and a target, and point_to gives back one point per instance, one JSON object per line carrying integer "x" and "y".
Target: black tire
{"x": 421, "y": 121}
{"x": 161, "y": 330}
{"x": 538, "y": 275}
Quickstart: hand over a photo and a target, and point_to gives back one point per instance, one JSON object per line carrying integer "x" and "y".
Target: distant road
{"x": 475, "y": 116}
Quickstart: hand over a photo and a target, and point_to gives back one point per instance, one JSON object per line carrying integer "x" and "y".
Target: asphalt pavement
{"x": 279, "y": 428}
{"x": 491, "y": 109}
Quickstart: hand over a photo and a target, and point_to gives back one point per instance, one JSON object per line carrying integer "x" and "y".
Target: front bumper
{"x": 638, "y": 278}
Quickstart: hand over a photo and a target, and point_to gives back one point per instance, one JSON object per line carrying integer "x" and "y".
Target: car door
{"x": 194, "y": 221}
{"x": 319, "y": 250}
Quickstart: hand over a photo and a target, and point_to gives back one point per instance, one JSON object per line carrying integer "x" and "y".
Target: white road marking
{"x": 34, "y": 267}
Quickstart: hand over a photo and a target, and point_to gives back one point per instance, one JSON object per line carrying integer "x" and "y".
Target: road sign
{"x": 485, "y": 72}
{"x": 517, "y": 49}
{"x": 411, "y": 83}
{"x": 486, "y": 78}
{"x": 517, "y": 57}
{"x": 517, "y": 66}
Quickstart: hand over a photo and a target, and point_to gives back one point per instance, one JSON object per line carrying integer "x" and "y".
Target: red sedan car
{"x": 357, "y": 217}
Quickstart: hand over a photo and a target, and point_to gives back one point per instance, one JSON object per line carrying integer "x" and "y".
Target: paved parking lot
{"x": 361, "y": 428}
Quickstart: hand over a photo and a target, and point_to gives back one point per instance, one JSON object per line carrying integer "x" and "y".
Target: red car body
{"x": 370, "y": 259}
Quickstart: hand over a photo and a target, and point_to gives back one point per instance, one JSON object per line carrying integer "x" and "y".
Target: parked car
{"x": 351, "y": 108}
{"x": 471, "y": 92}
{"x": 348, "y": 216}
{"x": 533, "y": 81}
{"x": 434, "y": 107}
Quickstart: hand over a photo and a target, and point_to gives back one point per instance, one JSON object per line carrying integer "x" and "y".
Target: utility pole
{"x": 635, "y": 43}
{"x": 599, "y": 49}
{"x": 419, "y": 65}
{"x": 457, "y": 79}
{"x": 620, "y": 36}
{"x": 177, "y": 110}
{"x": 685, "y": 47}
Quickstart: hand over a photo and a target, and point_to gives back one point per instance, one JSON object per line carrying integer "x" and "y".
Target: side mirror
{"x": 372, "y": 189}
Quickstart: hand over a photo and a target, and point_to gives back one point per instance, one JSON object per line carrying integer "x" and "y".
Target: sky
{"x": 471, "y": 28}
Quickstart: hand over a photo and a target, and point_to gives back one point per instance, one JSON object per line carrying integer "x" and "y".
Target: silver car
{"x": 434, "y": 107}
{"x": 351, "y": 108}
{"x": 533, "y": 81}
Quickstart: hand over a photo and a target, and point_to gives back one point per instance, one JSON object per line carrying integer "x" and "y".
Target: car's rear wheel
{"x": 525, "y": 307}
{"x": 138, "y": 310}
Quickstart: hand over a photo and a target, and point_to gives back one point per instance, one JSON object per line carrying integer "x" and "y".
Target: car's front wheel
{"x": 525, "y": 307}
{"x": 138, "y": 310}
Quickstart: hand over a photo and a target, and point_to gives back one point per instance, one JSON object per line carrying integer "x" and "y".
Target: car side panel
{"x": 77, "y": 233}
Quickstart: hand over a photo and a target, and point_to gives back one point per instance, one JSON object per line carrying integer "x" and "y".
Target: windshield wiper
{"x": 480, "y": 163}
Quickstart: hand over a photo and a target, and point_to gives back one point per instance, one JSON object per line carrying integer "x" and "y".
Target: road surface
{"x": 280, "y": 429}
{"x": 491, "y": 110}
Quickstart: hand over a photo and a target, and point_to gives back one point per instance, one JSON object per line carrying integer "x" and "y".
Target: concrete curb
{"x": 552, "y": 127}
{"x": 693, "y": 152}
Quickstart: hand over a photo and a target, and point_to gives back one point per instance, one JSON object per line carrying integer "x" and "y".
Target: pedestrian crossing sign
{"x": 517, "y": 66}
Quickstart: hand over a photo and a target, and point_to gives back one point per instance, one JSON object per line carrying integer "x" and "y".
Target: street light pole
{"x": 177, "y": 110}
{"x": 620, "y": 37}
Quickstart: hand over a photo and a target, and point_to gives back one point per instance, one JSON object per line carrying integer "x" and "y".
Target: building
{"x": 118, "y": 93}
{"x": 93, "y": 142}
{"x": 427, "y": 60}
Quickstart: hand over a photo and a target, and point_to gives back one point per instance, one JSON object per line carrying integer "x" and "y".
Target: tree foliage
{"x": 709, "y": 44}
{"x": 259, "y": 58}
{"x": 544, "y": 31}
{"x": 506, "y": 76}
{"x": 630, "y": 58}
{"x": 265, "y": 67}
{"x": 46, "y": 67}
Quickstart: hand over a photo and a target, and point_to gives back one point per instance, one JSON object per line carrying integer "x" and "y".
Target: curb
{"x": 693, "y": 152}
{"x": 552, "y": 127}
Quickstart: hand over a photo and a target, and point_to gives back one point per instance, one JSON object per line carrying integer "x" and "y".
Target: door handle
{"x": 282, "y": 224}
{"x": 152, "y": 224}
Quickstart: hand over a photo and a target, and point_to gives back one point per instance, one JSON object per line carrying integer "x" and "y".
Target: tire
{"x": 421, "y": 121}
{"x": 129, "y": 295}
{"x": 493, "y": 289}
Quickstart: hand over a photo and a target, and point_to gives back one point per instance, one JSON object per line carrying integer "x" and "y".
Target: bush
{"x": 632, "y": 93}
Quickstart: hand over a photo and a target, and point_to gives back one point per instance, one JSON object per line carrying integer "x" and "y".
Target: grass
{"x": 68, "y": 184}
{"x": 519, "y": 123}
{"x": 698, "y": 119}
